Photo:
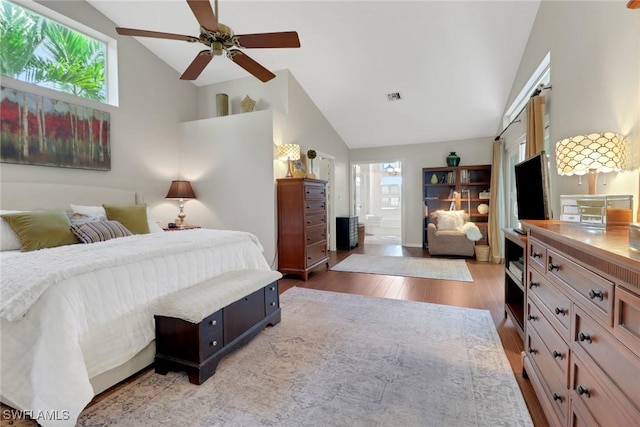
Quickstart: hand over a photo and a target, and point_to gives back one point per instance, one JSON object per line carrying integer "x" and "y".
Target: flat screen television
{"x": 532, "y": 188}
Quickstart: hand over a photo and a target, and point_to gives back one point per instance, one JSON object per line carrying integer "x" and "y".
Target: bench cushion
{"x": 199, "y": 301}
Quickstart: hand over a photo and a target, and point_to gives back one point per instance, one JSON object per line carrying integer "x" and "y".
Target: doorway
{"x": 377, "y": 201}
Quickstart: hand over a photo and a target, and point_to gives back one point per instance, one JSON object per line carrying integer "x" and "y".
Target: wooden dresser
{"x": 582, "y": 329}
{"x": 302, "y": 225}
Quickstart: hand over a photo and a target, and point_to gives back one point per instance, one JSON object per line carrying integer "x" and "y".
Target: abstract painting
{"x": 36, "y": 130}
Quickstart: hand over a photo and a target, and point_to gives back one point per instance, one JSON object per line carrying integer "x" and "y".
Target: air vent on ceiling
{"x": 395, "y": 96}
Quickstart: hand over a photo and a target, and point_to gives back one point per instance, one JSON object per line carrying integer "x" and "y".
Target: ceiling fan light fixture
{"x": 217, "y": 49}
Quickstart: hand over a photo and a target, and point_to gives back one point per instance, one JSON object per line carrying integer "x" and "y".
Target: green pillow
{"x": 42, "y": 229}
{"x": 133, "y": 217}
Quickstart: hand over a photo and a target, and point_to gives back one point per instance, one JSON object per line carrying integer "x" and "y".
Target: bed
{"x": 77, "y": 319}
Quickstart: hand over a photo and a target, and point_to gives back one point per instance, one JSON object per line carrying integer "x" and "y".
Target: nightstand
{"x": 186, "y": 227}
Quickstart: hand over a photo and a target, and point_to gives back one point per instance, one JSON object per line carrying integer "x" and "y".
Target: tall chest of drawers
{"x": 582, "y": 330}
{"x": 302, "y": 225}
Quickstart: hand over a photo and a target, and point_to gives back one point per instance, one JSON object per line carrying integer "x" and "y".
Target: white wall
{"x": 144, "y": 127}
{"x": 595, "y": 73}
{"x": 229, "y": 161}
{"x": 415, "y": 157}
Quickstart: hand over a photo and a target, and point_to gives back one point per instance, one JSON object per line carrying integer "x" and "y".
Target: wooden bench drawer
{"x": 593, "y": 292}
{"x": 271, "y": 299}
{"x": 537, "y": 255}
{"x": 555, "y": 302}
{"x": 556, "y": 346}
{"x": 616, "y": 361}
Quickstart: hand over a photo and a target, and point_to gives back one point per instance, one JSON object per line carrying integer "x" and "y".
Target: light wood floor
{"x": 486, "y": 292}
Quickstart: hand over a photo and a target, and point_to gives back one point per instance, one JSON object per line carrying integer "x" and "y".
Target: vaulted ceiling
{"x": 453, "y": 62}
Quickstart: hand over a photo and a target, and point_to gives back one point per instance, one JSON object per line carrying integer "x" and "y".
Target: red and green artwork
{"x": 35, "y": 130}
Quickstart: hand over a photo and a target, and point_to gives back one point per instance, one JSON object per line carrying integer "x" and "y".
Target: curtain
{"x": 496, "y": 206}
{"x": 535, "y": 125}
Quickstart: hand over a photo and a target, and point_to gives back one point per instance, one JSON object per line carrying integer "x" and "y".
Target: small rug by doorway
{"x": 340, "y": 360}
{"x": 429, "y": 268}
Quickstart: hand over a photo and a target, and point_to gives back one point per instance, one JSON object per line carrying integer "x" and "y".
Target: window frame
{"x": 111, "y": 50}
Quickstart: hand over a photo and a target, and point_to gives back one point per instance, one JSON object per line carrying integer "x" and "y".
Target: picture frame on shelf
{"x": 300, "y": 166}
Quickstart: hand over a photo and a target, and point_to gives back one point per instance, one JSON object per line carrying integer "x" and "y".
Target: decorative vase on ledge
{"x": 453, "y": 159}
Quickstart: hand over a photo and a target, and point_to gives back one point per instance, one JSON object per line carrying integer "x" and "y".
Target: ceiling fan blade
{"x": 197, "y": 65}
{"x": 269, "y": 40}
{"x": 204, "y": 14}
{"x": 633, "y": 4}
{"x": 156, "y": 34}
{"x": 250, "y": 65}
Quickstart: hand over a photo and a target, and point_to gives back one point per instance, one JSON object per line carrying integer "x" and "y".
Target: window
{"x": 38, "y": 50}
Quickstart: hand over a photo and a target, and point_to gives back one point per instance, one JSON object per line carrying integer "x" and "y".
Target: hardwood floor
{"x": 486, "y": 292}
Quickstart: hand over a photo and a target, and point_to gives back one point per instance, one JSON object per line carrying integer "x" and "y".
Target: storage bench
{"x": 197, "y": 326}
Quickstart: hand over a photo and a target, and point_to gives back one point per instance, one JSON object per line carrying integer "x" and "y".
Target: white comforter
{"x": 73, "y": 312}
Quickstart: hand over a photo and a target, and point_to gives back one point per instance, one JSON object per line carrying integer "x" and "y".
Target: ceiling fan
{"x": 220, "y": 40}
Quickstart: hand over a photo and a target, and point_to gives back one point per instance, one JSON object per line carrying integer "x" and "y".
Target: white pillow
{"x": 9, "y": 240}
{"x": 96, "y": 211}
{"x": 450, "y": 220}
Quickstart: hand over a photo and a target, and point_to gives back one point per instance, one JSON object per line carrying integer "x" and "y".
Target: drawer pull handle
{"x": 213, "y": 343}
{"x": 583, "y": 390}
{"x": 533, "y": 285}
{"x": 596, "y": 293}
{"x": 584, "y": 337}
{"x": 536, "y": 255}
{"x": 560, "y": 311}
{"x": 532, "y": 350}
{"x": 532, "y": 317}
{"x": 273, "y": 288}
{"x": 273, "y": 304}
{"x": 556, "y": 354}
{"x": 553, "y": 267}
{"x": 213, "y": 322}
{"x": 557, "y": 397}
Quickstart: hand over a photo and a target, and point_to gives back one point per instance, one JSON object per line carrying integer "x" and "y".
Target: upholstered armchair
{"x": 451, "y": 233}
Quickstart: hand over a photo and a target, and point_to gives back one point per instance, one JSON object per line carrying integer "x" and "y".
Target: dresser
{"x": 346, "y": 232}
{"x": 302, "y": 225}
{"x": 582, "y": 328}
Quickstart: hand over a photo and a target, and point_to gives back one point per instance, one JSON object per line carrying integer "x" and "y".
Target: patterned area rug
{"x": 336, "y": 360}
{"x": 429, "y": 268}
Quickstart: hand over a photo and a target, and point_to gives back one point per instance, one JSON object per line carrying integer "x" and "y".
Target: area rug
{"x": 336, "y": 360}
{"x": 429, "y": 268}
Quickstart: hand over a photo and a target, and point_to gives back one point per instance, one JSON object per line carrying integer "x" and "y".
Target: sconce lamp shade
{"x": 289, "y": 152}
{"x": 596, "y": 152}
{"x": 591, "y": 154}
{"x": 180, "y": 190}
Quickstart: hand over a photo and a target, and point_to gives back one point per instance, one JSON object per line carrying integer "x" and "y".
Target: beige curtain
{"x": 496, "y": 206}
{"x": 535, "y": 125}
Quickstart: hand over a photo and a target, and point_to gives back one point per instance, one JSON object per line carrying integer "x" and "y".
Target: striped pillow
{"x": 99, "y": 231}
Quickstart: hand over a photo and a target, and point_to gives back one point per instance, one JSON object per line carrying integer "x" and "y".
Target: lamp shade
{"x": 289, "y": 152}
{"x": 180, "y": 190}
{"x": 596, "y": 152}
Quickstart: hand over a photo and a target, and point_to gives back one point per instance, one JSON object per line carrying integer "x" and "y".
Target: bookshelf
{"x": 471, "y": 183}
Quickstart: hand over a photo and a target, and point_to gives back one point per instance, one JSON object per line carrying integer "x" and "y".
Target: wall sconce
{"x": 289, "y": 152}
{"x": 180, "y": 190}
{"x": 591, "y": 154}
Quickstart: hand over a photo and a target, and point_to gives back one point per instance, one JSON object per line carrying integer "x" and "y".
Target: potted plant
{"x": 311, "y": 154}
